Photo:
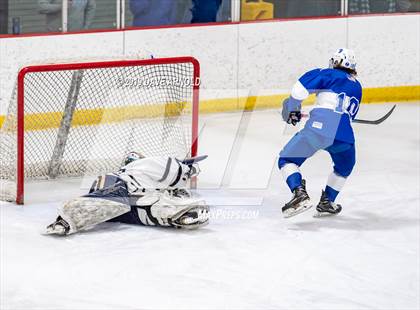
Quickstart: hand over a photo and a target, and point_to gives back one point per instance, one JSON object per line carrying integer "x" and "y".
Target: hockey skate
{"x": 326, "y": 207}
{"x": 299, "y": 203}
{"x": 59, "y": 227}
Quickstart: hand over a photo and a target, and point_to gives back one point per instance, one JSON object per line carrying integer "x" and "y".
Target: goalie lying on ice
{"x": 145, "y": 191}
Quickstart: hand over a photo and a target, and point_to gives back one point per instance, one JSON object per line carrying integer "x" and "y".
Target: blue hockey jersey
{"x": 338, "y": 98}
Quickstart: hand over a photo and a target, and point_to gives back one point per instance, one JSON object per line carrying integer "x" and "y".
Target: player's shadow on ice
{"x": 358, "y": 220}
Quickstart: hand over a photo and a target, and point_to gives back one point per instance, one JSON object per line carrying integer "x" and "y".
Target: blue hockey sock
{"x": 331, "y": 193}
{"x": 294, "y": 180}
{"x": 334, "y": 185}
{"x": 291, "y": 175}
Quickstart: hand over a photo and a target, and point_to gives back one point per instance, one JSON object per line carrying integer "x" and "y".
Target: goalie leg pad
{"x": 85, "y": 212}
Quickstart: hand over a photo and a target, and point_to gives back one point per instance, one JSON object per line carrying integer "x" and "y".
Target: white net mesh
{"x": 80, "y": 122}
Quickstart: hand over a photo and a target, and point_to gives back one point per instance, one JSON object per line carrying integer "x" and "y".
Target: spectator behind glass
{"x": 301, "y": 8}
{"x": 80, "y": 14}
{"x": 153, "y": 12}
{"x": 378, "y": 6}
{"x": 3, "y": 17}
{"x": 205, "y": 11}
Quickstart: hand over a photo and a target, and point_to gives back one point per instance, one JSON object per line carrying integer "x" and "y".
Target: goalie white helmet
{"x": 132, "y": 156}
{"x": 344, "y": 58}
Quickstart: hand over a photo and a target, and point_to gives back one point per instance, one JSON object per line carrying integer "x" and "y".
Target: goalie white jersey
{"x": 149, "y": 174}
{"x": 157, "y": 173}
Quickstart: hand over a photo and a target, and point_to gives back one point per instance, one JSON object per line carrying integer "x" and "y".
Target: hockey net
{"x": 77, "y": 119}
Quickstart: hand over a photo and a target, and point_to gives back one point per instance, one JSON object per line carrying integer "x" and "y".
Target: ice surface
{"x": 366, "y": 258}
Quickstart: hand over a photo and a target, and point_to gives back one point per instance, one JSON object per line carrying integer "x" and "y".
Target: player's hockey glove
{"x": 290, "y": 117}
{"x": 294, "y": 117}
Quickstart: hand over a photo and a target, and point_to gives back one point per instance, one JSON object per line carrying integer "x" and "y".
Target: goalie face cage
{"x": 83, "y": 118}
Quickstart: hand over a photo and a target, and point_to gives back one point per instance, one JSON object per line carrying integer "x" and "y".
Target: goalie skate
{"x": 59, "y": 227}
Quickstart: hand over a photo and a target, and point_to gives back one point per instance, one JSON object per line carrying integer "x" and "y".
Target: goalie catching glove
{"x": 173, "y": 211}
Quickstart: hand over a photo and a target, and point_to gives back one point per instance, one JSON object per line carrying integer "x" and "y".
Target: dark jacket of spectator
{"x": 304, "y": 8}
{"x": 378, "y": 6}
{"x": 153, "y": 12}
{"x": 205, "y": 11}
{"x": 80, "y": 14}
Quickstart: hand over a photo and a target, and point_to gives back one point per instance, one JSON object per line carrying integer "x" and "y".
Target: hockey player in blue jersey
{"x": 338, "y": 96}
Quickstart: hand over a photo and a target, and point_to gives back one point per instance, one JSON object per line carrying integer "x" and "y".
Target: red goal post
{"x": 160, "y": 111}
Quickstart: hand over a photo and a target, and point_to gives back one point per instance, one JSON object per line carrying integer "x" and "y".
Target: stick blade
{"x": 192, "y": 160}
{"x": 378, "y": 121}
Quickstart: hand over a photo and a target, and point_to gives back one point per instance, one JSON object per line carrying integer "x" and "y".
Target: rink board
{"x": 248, "y": 60}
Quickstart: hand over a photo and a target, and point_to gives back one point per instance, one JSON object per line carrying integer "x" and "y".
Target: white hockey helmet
{"x": 132, "y": 156}
{"x": 344, "y": 58}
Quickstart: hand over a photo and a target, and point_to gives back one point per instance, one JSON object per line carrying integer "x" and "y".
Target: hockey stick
{"x": 192, "y": 160}
{"x": 368, "y": 122}
{"x": 375, "y": 122}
